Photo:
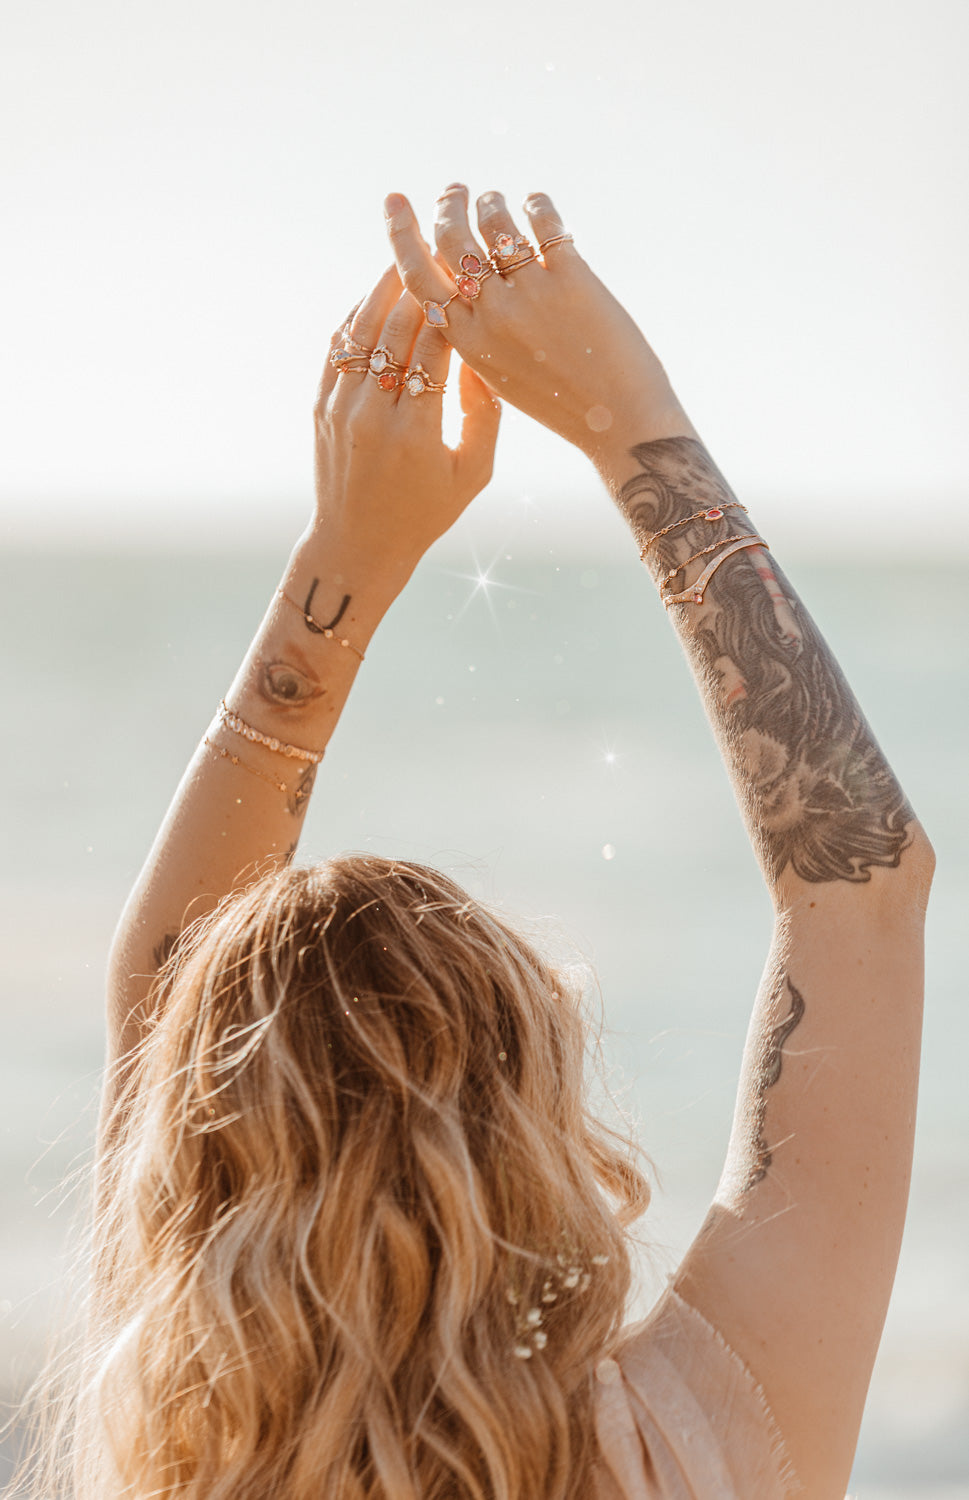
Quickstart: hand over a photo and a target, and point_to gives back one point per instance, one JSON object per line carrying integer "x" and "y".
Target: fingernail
{"x": 456, "y": 186}
{"x": 393, "y": 203}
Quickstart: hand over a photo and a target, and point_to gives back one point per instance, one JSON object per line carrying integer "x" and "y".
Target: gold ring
{"x": 417, "y": 381}
{"x": 506, "y": 252}
{"x": 434, "y": 314}
{"x": 386, "y": 370}
{"x": 473, "y": 271}
{"x": 345, "y": 362}
{"x": 516, "y": 265}
{"x": 351, "y": 343}
{"x": 556, "y": 239}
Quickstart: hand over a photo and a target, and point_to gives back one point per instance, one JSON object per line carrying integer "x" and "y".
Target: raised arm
{"x": 386, "y": 488}
{"x": 795, "y": 1262}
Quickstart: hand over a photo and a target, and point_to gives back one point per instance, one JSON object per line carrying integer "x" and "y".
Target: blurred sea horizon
{"x": 538, "y": 735}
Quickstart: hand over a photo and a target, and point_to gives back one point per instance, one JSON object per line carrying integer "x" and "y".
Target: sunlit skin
{"x": 793, "y": 1267}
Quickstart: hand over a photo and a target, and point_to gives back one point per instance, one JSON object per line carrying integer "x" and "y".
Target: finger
{"x": 426, "y": 281}
{"x": 498, "y": 229}
{"x": 367, "y": 321}
{"x": 330, "y": 374}
{"x": 452, "y": 230}
{"x": 546, "y": 224}
{"x": 406, "y": 342}
{"x": 474, "y": 456}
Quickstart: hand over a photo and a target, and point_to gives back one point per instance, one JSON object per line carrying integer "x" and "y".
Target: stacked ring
{"x": 345, "y": 362}
{"x": 556, "y": 239}
{"x": 509, "y": 252}
{"x": 417, "y": 381}
{"x": 474, "y": 271}
{"x": 386, "y": 370}
{"x": 351, "y": 343}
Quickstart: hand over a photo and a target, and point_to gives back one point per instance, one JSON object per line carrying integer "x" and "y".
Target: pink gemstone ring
{"x": 473, "y": 271}
{"x": 509, "y": 252}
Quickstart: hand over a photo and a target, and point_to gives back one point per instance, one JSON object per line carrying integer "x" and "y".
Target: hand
{"x": 550, "y": 337}
{"x": 387, "y": 486}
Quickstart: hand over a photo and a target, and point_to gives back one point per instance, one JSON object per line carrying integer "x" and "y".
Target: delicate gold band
{"x": 239, "y": 726}
{"x": 299, "y": 793}
{"x": 556, "y": 239}
{"x": 516, "y": 265}
{"x": 694, "y": 594}
{"x": 360, "y": 348}
{"x": 325, "y": 630}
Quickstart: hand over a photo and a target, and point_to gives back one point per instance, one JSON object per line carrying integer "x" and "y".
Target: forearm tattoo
{"x": 298, "y": 797}
{"x": 770, "y": 1072}
{"x": 818, "y": 793}
{"x": 284, "y": 684}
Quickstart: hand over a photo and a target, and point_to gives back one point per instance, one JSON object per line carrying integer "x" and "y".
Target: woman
{"x": 358, "y": 1235}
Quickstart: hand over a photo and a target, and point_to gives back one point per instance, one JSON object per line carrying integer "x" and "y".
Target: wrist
{"x": 347, "y": 564}
{"x": 613, "y": 454}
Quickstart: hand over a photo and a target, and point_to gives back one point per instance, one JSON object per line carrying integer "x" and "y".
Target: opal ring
{"x": 345, "y": 362}
{"x": 387, "y": 371}
{"x": 511, "y": 251}
{"x": 417, "y": 381}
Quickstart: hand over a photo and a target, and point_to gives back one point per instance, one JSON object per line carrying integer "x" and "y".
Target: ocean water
{"x": 541, "y": 740}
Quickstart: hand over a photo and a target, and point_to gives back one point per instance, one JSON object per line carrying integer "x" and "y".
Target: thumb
{"x": 475, "y": 453}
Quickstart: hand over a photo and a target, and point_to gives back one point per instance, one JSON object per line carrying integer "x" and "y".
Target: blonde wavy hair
{"x": 354, "y": 1150}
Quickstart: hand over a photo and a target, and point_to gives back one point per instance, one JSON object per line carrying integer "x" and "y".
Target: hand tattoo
{"x": 819, "y": 794}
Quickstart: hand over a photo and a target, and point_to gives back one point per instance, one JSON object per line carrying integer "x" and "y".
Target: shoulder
{"x": 680, "y": 1417}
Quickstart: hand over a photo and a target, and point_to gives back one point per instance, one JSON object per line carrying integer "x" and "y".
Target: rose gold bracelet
{"x": 713, "y": 513}
{"x": 279, "y": 747}
{"x": 703, "y": 552}
{"x": 299, "y": 793}
{"x": 694, "y": 594}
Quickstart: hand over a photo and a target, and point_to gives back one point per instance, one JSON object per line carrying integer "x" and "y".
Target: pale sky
{"x": 192, "y": 197}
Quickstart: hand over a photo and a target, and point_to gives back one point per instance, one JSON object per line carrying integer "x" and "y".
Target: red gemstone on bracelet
{"x": 387, "y": 381}
{"x": 697, "y": 597}
{"x": 469, "y": 287}
{"x": 471, "y": 264}
{"x": 716, "y": 514}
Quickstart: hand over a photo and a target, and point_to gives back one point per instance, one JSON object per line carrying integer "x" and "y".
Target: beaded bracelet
{"x": 239, "y": 726}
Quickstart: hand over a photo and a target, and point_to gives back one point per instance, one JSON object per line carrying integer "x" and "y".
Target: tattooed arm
{"x": 387, "y": 487}
{"x": 795, "y": 1262}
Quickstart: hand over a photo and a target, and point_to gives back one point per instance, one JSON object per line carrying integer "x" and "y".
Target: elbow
{"x": 918, "y": 864}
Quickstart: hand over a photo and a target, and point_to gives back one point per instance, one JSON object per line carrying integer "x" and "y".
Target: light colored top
{"x": 680, "y": 1417}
